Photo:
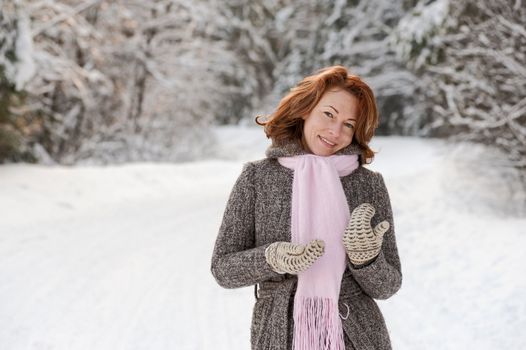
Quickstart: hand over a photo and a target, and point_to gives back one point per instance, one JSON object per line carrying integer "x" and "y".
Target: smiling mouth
{"x": 326, "y": 142}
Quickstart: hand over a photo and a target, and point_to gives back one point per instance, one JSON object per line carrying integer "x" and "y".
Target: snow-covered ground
{"x": 118, "y": 257}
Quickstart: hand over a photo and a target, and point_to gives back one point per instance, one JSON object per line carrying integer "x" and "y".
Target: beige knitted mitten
{"x": 286, "y": 257}
{"x": 363, "y": 243}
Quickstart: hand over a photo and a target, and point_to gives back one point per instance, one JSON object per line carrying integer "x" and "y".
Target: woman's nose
{"x": 335, "y": 129}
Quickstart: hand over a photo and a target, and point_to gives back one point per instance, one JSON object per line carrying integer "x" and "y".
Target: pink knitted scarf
{"x": 319, "y": 211}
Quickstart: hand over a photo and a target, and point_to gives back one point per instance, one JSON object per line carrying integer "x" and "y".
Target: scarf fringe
{"x": 318, "y": 325}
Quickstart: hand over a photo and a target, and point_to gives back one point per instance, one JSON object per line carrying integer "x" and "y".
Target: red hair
{"x": 286, "y": 122}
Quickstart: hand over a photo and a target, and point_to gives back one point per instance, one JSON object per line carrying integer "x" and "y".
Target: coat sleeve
{"x": 236, "y": 261}
{"x": 382, "y": 277}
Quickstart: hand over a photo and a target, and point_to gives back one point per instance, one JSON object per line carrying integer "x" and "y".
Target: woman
{"x": 312, "y": 228}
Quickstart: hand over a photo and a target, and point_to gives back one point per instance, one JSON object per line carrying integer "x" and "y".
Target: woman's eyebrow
{"x": 333, "y": 108}
{"x": 353, "y": 119}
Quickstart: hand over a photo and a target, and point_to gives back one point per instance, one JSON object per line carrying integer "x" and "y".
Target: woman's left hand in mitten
{"x": 361, "y": 241}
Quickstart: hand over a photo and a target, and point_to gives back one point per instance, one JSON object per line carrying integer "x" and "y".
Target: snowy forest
{"x": 103, "y": 81}
{"x": 124, "y": 125}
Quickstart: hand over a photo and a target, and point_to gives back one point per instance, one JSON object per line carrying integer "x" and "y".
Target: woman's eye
{"x": 349, "y": 125}
{"x": 328, "y": 114}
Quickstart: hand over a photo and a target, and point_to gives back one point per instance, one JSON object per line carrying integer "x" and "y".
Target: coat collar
{"x": 294, "y": 148}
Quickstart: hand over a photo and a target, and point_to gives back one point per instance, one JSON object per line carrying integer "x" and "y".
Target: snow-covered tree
{"x": 470, "y": 57}
{"x": 123, "y": 81}
{"x": 134, "y": 80}
{"x": 313, "y": 34}
{"x": 16, "y": 69}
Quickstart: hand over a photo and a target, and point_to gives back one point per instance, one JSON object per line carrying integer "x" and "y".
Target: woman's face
{"x": 329, "y": 127}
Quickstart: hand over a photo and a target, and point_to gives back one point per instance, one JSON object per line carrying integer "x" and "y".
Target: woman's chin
{"x": 323, "y": 152}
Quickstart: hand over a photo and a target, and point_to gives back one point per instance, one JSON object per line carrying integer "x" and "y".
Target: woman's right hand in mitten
{"x": 286, "y": 257}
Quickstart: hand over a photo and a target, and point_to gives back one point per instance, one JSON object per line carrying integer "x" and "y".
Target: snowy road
{"x": 118, "y": 257}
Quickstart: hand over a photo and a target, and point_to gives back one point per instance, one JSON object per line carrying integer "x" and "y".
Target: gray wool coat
{"x": 258, "y": 213}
